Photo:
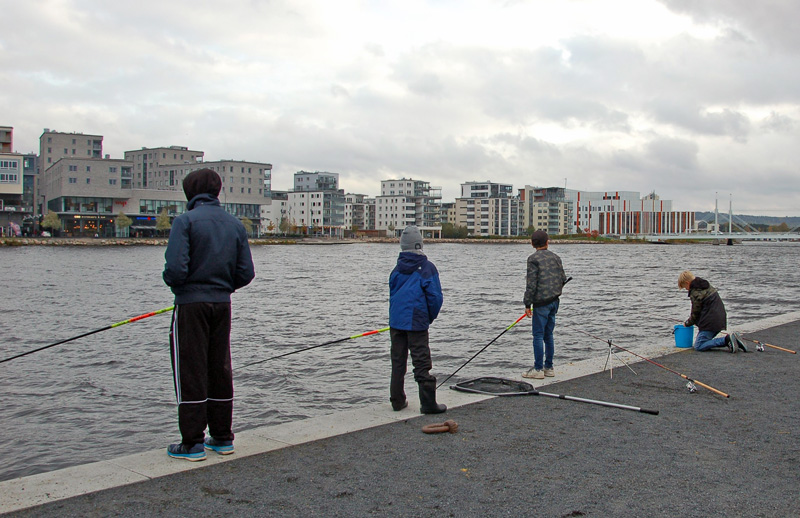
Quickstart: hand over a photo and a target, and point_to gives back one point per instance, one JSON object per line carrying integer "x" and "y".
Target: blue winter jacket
{"x": 208, "y": 256}
{"x": 415, "y": 294}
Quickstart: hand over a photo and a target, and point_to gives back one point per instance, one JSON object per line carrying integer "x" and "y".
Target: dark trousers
{"x": 403, "y": 342}
{"x": 200, "y": 341}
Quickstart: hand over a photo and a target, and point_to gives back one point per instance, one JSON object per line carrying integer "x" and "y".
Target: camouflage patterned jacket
{"x": 544, "y": 280}
{"x": 708, "y": 311}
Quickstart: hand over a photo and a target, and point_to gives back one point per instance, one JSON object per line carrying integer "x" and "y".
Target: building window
{"x": 88, "y": 180}
{"x": 88, "y": 169}
{"x": 112, "y": 181}
{"x": 73, "y": 180}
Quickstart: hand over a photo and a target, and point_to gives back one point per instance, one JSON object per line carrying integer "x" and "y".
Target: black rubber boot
{"x": 427, "y": 398}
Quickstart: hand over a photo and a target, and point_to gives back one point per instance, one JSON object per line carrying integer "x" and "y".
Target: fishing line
{"x": 484, "y": 348}
{"x": 691, "y": 381}
{"x": 490, "y": 343}
{"x": 376, "y": 331}
{"x": 130, "y": 320}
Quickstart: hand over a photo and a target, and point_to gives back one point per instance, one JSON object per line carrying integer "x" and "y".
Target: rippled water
{"x": 110, "y": 393}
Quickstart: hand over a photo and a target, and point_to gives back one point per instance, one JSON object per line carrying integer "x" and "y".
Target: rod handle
{"x": 646, "y": 411}
{"x": 712, "y": 389}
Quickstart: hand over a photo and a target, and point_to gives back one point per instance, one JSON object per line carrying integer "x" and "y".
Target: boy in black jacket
{"x": 708, "y": 313}
{"x": 207, "y": 259}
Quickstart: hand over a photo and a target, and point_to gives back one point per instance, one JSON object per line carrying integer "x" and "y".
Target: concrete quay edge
{"x": 34, "y": 490}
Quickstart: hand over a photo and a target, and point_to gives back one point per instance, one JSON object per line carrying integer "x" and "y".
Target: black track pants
{"x": 201, "y": 364}
{"x": 403, "y": 342}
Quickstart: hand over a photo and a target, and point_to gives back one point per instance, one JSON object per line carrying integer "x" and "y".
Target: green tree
{"x": 122, "y": 223}
{"x": 162, "y": 221}
{"x": 248, "y": 225}
{"x": 284, "y": 225}
{"x": 51, "y": 221}
{"x": 783, "y": 227}
{"x": 451, "y": 231}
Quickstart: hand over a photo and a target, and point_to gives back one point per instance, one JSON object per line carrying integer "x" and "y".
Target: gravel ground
{"x": 703, "y": 455}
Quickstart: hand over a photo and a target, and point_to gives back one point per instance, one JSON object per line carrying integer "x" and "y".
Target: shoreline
{"x": 162, "y": 241}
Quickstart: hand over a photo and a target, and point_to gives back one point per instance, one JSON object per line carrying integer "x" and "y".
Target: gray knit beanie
{"x": 410, "y": 239}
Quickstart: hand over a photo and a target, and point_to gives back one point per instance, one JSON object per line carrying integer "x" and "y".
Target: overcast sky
{"x": 600, "y": 95}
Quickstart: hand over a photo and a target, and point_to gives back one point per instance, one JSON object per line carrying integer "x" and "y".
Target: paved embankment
{"x": 703, "y": 455}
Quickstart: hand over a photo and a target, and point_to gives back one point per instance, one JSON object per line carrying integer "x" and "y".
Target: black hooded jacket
{"x": 208, "y": 256}
{"x": 708, "y": 311}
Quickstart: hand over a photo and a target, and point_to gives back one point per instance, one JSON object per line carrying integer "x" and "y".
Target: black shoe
{"x": 730, "y": 344}
{"x": 399, "y": 406}
{"x": 739, "y": 342}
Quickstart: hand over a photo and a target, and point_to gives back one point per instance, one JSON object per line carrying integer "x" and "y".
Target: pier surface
{"x": 703, "y": 455}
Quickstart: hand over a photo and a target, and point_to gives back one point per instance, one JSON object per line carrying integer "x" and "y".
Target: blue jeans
{"x": 543, "y": 323}
{"x": 705, "y": 340}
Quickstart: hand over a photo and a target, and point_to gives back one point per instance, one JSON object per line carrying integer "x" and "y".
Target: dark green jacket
{"x": 544, "y": 280}
{"x": 708, "y": 311}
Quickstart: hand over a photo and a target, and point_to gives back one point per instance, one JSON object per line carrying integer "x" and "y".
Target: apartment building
{"x": 54, "y": 145}
{"x": 157, "y": 167}
{"x": 356, "y": 211}
{"x": 6, "y": 139}
{"x": 12, "y": 209}
{"x": 545, "y": 208}
{"x": 406, "y": 202}
{"x": 273, "y": 211}
{"x": 488, "y": 209}
{"x": 317, "y": 205}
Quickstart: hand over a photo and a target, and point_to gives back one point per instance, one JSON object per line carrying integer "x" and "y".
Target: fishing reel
{"x": 691, "y": 386}
{"x": 759, "y": 346}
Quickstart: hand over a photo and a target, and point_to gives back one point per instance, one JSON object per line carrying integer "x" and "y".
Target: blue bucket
{"x": 684, "y": 336}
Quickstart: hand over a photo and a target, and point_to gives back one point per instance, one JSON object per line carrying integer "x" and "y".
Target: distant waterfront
{"x": 110, "y": 393}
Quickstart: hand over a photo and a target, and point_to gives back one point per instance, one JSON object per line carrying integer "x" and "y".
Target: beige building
{"x": 6, "y": 139}
{"x": 406, "y": 202}
{"x": 151, "y": 166}
{"x": 487, "y": 209}
{"x": 54, "y": 145}
{"x": 545, "y": 208}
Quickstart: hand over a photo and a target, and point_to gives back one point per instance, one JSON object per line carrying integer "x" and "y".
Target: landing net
{"x": 495, "y": 387}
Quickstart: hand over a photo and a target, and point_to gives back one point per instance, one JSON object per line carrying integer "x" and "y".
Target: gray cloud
{"x": 276, "y": 81}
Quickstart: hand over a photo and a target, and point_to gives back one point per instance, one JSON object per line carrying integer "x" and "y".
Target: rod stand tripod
{"x": 608, "y": 360}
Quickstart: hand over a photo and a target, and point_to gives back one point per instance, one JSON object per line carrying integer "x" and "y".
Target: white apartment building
{"x": 316, "y": 204}
{"x": 488, "y": 209}
{"x": 406, "y": 202}
{"x": 355, "y": 211}
{"x": 274, "y": 210}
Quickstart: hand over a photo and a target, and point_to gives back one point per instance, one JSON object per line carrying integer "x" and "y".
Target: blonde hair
{"x": 686, "y": 277}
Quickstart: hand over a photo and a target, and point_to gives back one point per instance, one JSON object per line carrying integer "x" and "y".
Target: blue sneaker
{"x": 221, "y": 447}
{"x": 191, "y": 453}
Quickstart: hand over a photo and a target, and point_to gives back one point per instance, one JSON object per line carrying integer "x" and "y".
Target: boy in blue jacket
{"x": 415, "y": 298}
{"x": 207, "y": 259}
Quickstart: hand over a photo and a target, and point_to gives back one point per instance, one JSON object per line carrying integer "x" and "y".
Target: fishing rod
{"x": 490, "y": 343}
{"x": 376, "y": 331}
{"x": 484, "y": 348}
{"x": 759, "y": 344}
{"x": 691, "y": 381}
{"x": 130, "y": 320}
